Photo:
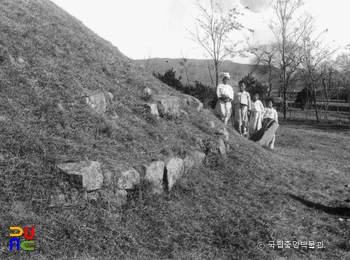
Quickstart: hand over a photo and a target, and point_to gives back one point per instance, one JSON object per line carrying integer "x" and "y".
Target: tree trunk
{"x": 316, "y": 109}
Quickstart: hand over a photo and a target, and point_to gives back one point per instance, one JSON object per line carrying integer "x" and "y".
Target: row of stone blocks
{"x": 111, "y": 187}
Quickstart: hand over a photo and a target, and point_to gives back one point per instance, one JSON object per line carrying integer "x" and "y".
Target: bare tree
{"x": 264, "y": 59}
{"x": 288, "y": 28}
{"x": 212, "y": 32}
{"x": 314, "y": 53}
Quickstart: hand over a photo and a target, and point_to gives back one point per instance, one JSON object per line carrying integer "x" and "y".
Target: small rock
{"x": 97, "y": 102}
{"x": 341, "y": 219}
{"x": 211, "y": 124}
{"x": 223, "y": 133}
{"x": 153, "y": 109}
{"x": 147, "y": 91}
{"x": 128, "y": 179}
{"x": 221, "y": 146}
{"x": 154, "y": 175}
{"x": 60, "y": 107}
{"x": 3, "y": 118}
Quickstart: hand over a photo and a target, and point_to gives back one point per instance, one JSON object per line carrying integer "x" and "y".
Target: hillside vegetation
{"x": 49, "y": 63}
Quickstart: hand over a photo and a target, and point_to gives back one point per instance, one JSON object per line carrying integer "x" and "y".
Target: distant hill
{"x": 198, "y": 69}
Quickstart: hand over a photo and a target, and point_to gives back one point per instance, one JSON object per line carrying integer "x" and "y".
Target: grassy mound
{"x": 50, "y": 61}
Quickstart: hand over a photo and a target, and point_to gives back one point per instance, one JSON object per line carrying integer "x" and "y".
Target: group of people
{"x": 250, "y": 115}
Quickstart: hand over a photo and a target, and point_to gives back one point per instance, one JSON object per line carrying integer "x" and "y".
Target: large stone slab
{"x": 174, "y": 169}
{"x": 154, "y": 176}
{"x": 86, "y": 174}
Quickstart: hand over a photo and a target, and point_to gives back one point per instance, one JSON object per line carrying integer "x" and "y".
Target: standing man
{"x": 242, "y": 109}
{"x": 225, "y": 96}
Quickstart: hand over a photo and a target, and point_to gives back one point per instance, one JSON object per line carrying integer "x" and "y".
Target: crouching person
{"x": 270, "y": 114}
{"x": 225, "y": 96}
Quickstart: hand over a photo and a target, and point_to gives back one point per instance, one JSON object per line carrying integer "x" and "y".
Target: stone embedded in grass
{"x": 153, "y": 109}
{"x": 211, "y": 124}
{"x": 97, "y": 102}
{"x": 221, "y": 146}
{"x": 192, "y": 102}
{"x": 174, "y": 169}
{"x": 168, "y": 105}
{"x": 128, "y": 179}
{"x": 154, "y": 175}
{"x": 87, "y": 174}
{"x": 223, "y": 133}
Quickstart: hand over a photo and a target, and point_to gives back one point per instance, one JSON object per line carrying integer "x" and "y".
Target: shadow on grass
{"x": 340, "y": 211}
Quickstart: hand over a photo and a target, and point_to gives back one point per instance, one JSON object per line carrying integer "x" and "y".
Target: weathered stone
{"x": 87, "y": 174}
{"x": 97, "y": 102}
{"x": 223, "y": 133}
{"x": 128, "y": 179}
{"x": 3, "y": 118}
{"x": 211, "y": 124}
{"x": 192, "y": 102}
{"x": 154, "y": 175}
{"x": 147, "y": 91}
{"x": 221, "y": 146}
{"x": 174, "y": 169}
{"x": 153, "y": 109}
{"x": 107, "y": 178}
{"x": 167, "y": 105}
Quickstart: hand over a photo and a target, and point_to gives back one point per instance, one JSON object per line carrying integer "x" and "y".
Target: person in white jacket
{"x": 225, "y": 96}
{"x": 256, "y": 115}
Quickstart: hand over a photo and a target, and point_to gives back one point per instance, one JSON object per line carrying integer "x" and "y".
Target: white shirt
{"x": 257, "y": 106}
{"x": 224, "y": 90}
{"x": 243, "y": 98}
{"x": 271, "y": 113}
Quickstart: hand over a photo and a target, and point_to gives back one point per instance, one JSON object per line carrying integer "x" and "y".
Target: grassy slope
{"x": 219, "y": 211}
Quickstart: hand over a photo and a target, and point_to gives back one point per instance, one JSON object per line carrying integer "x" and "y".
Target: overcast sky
{"x": 159, "y": 28}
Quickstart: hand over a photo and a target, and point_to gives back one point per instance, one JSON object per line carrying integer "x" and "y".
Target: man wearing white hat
{"x": 225, "y": 96}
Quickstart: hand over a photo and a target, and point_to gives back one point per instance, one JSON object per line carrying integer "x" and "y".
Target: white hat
{"x": 225, "y": 74}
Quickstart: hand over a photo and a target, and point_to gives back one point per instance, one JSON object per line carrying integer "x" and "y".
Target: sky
{"x": 143, "y": 29}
